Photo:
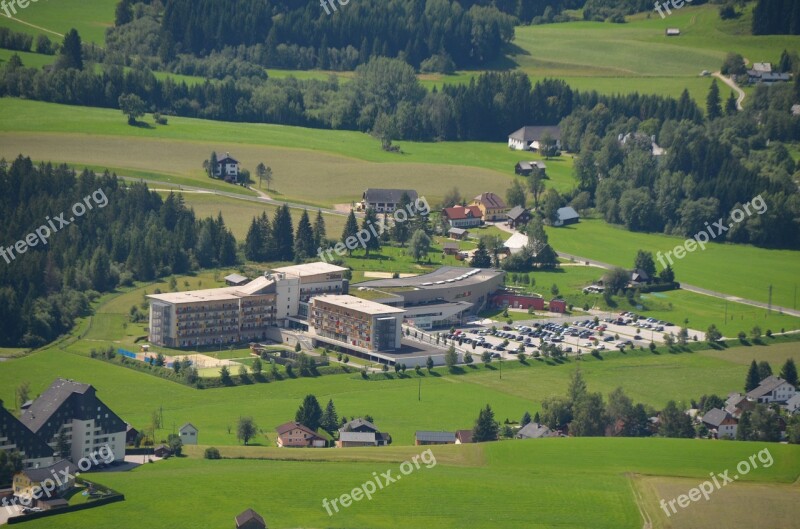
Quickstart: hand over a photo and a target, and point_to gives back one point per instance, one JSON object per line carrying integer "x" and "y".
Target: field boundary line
{"x": 34, "y": 26}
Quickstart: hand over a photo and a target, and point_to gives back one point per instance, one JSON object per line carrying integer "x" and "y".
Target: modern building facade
{"x": 356, "y": 322}
{"x": 14, "y": 435}
{"x": 88, "y": 424}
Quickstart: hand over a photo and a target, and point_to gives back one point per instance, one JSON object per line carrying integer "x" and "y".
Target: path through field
{"x": 728, "y": 81}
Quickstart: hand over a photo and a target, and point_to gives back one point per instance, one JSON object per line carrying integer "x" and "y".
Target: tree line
{"x": 138, "y": 236}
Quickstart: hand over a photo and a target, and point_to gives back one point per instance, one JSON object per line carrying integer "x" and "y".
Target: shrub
{"x": 212, "y": 453}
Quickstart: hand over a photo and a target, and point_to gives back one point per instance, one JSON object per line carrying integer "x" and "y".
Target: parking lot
{"x": 569, "y": 336}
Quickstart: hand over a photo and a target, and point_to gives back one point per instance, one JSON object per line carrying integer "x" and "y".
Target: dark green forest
{"x": 137, "y": 236}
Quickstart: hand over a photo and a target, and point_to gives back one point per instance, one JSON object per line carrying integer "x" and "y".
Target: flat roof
{"x": 361, "y": 305}
{"x": 214, "y": 294}
{"x": 444, "y": 277}
{"x": 310, "y": 269}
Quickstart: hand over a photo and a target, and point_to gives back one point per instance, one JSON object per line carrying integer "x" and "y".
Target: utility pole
{"x": 769, "y": 305}
{"x": 419, "y": 390}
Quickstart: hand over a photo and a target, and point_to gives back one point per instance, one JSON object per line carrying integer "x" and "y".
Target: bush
{"x": 212, "y": 453}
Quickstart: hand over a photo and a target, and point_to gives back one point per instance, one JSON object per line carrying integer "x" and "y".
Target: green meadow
{"x": 56, "y": 17}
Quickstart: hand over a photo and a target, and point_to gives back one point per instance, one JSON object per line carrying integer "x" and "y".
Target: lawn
{"x": 566, "y": 482}
{"x": 730, "y": 268}
{"x": 57, "y": 17}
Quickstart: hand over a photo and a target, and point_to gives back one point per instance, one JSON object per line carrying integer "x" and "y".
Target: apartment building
{"x": 87, "y": 422}
{"x": 14, "y": 435}
{"x": 356, "y": 323}
{"x": 299, "y": 283}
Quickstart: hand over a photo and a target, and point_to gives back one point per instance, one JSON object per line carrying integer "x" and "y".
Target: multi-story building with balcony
{"x": 74, "y": 409}
{"x": 356, "y": 323}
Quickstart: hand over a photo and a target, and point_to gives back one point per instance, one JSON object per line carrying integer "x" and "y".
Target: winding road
{"x": 728, "y": 81}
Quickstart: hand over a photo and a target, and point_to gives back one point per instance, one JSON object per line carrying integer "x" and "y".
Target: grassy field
{"x": 59, "y": 16}
{"x": 737, "y": 276}
{"x": 566, "y": 482}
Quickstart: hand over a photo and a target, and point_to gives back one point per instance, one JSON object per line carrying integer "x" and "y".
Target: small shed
{"x": 188, "y": 434}
{"x": 235, "y": 280}
{"x": 250, "y": 519}
{"x": 672, "y": 32}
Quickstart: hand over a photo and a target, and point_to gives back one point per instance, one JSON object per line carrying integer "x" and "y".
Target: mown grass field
{"x": 59, "y": 16}
{"x": 730, "y": 268}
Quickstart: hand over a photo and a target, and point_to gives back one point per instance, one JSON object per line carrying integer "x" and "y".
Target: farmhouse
{"x": 295, "y": 435}
{"x": 227, "y": 168}
{"x": 188, "y": 434}
{"x": 14, "y": 435}
{"x": 518, "y": 216}
{"x": 385, "y": 200}
{"x": 492, "y": 206}
{"x": 793, "y": 404}
{"x": 74, "y": 408}
{"x": 529, "y": 138}
{"x": 566, "y": 216}
{"x": 772, "y": 389}
{"x": 527, "y": 168}
{"x": 534, "y": 430}
{"x": 463, "y": 216}
{"x": 737, "y": 403}
{"x": 721, "y": 423}
{"x": 360, "y": 432}
{"x": 422, "y": 438}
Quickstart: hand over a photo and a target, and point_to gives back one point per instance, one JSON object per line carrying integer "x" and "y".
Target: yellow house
{"x": 45, "y": 482}
{"x": 492, "y": 206}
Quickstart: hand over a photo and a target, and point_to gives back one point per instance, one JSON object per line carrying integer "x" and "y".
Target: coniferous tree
{"x": 304, "y": 246}
{"x": 330, "y": 420}
{"x": 481, "y": 257}
{"x": 789, "y": 372}
{"x": 764, "y": 370}
{"x": 486, "y": 428}
{"x": 371, "y": 222}
{"x": 350, "y": 230}
{"x": 71, "y": 51}
{"x": 309, "y": 413}
{"x": 320, "y": 235}
{"x": 282, "y": 236}
{"x": 401, "y": 230}
{"x": 753, "y": 378}
{"x": 730, "y": 105}
{"x": 713, "y": 108}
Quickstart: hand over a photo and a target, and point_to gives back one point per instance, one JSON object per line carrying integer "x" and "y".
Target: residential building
{"x": 518, "y": 216}
{"x": 295, "y": 435}
{"x": 297, "y": 284}
{"x": 188, "y": 434}
{"x": 422, "y": 438}
{"x": 355, "y": 322}
{"x": 75, "y": 409}
{"x": 360, "y": 432}
{"x": 463, "y": 216}
{"x": 526, "y": 168}
{"x": 793, "y": 404}
{"x": 463, "y": 437}
{"x": 736, "y": 404}
{"x": 722, "y": 424}
{"x": 516, "y": 243}
{"x": 566, "y": 216}
{"x": 15, "y": 435}
{"x": 227, "y": 168}
{"x": 492, "y": 206}
{"x": 534, "y": 430}
{"x": 250, "y": 519}
{"x": 131, "y": 434}
{"x": 772, "y": 389}
{"x": 529, "y": 138}
{"x": 29, "y": 481}
{"x": 386, "y": 200}
{"x": 450, "y": 248}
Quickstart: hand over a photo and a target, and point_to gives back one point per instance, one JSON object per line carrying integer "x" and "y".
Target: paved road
{"x": 728, "y": 81}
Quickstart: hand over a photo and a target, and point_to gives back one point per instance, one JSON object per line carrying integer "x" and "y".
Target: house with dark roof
{"x": 28, "y": 483}
{"x": 360, "y": 432}
{"x": 772, "y": 389}
{"x": 720, "y": 423}
{"x": 518, "y": 216}
{"x": 534, "y": 430}
{"x": 526, "y": 168}
{"x": 566, "y": 216}
{"x": 492, "y": 206}
{"x": 529, "y": 138}
{"x": 793, "y": 404}
{"x": 295, "y": 435}
{"x": 131, "y": 434}
{"x": 14, "y": 435}
{"x": 463, "y": 216}
{"x": 450, "y": 248}
{"x": 87, "y": 422}
{"x": 236, "y": 280}
{"x": 463, "y": 437}
{"x": 458, "y": 234}
{"x": 250, "y": 519}
{"x": 385, "y": 200}
{"x": 422, "y": 438}
{"x": 736, "y": 404}
{"x": 162, "y": 451}
{"x": 227, "y": 168}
